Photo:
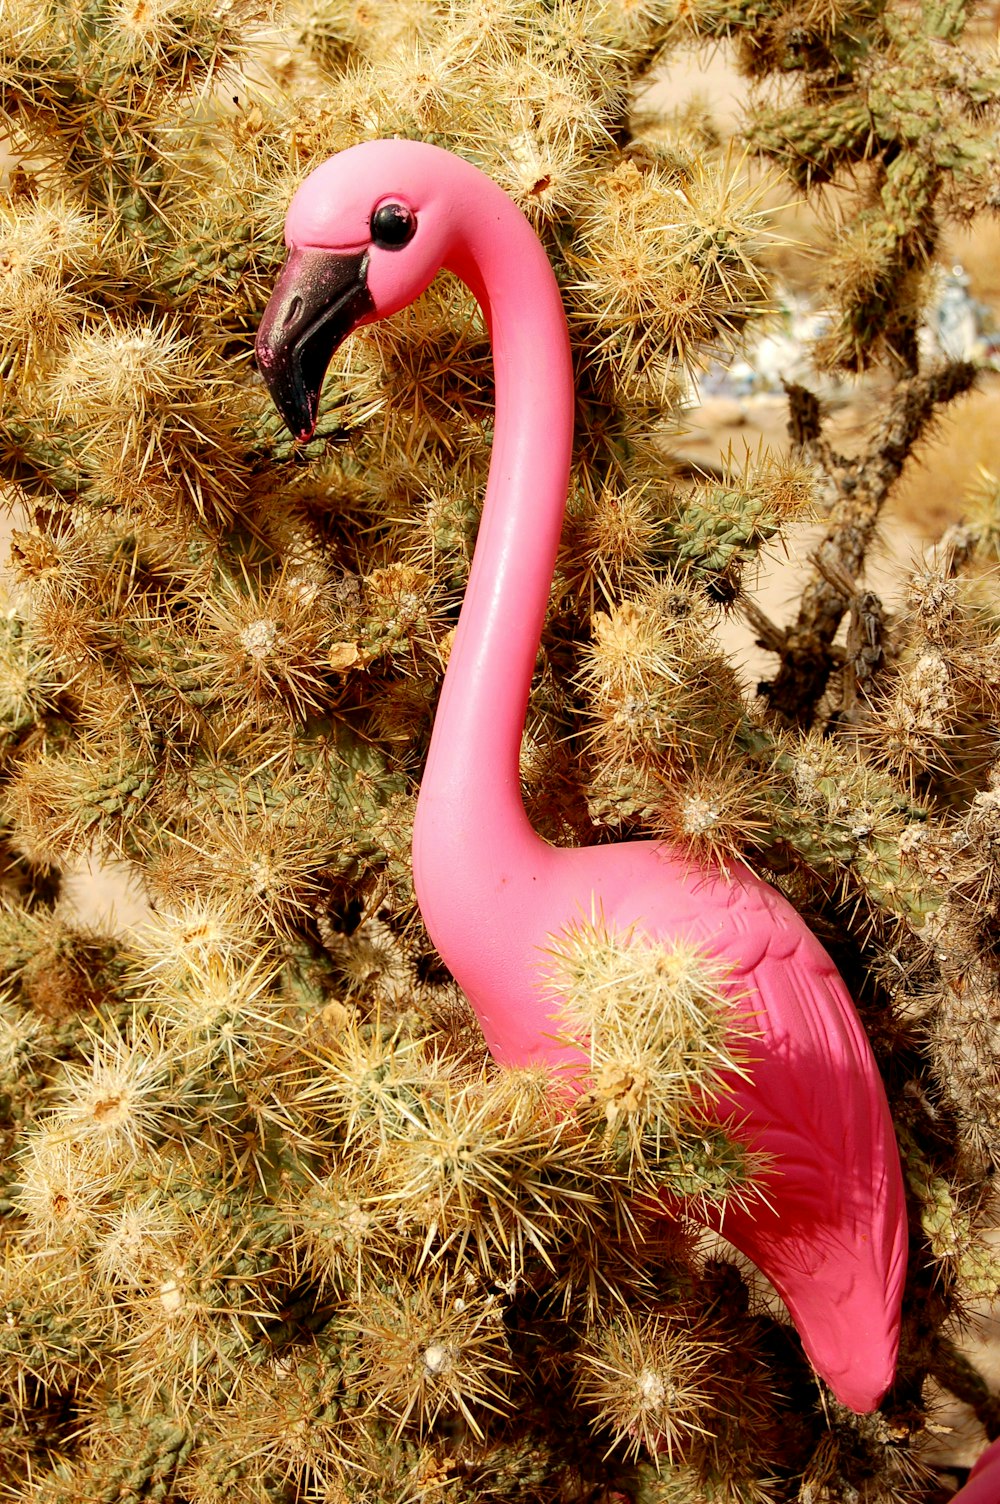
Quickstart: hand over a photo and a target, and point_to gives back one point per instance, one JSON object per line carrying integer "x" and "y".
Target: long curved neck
{"x": 472, "y": 771}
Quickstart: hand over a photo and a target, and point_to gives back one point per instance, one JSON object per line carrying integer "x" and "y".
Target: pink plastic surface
{"x": 832, "y": 1235}
{"x": 983, "y": 1486}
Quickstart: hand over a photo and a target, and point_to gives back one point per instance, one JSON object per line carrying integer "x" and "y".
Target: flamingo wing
{"x": 829, "y": 1230}
{"x": 830, "y": 1233}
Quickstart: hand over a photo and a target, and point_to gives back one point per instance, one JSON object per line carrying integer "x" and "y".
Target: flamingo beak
{"x": 318, "y": 299}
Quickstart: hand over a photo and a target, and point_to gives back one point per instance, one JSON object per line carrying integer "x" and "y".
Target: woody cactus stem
{"x": 858, "y": 489}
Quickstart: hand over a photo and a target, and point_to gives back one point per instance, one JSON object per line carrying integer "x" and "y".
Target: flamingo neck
{"x": 471, "y": 784}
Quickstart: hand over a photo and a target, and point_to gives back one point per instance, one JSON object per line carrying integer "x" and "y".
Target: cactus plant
{"x": 274, "y": 1228}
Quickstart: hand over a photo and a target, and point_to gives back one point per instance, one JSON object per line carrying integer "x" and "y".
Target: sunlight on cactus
{"x": 275, "y": 1227}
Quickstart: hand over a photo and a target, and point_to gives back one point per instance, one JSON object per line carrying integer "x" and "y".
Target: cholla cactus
{"x": 274, "y": 1227}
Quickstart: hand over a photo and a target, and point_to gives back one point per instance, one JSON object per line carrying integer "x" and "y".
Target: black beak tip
{"x": 319, "y": 298}
{"x": 277, "y": 367}
{"x": 301, "y": 420}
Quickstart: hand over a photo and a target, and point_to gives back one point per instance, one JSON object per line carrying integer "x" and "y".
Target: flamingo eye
{"x": 392, "y": 226}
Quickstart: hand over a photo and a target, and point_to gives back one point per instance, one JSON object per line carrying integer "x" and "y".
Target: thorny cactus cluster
{"x": 273, "y": 1227}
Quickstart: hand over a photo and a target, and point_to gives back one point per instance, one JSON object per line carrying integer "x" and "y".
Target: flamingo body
{"x": 367, "y": 232}
{"x": 829, "y": 1231}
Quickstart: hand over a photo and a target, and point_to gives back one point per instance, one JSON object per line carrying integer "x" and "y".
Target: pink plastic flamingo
{"x": 368, "y": 231}
{"x": 983, "y": 1486}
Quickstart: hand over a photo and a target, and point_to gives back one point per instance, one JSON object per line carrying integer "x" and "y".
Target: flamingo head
{"x": 366, "y": 233}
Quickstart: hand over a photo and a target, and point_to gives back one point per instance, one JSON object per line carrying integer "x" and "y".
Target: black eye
{"x": 392, "y": 226}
